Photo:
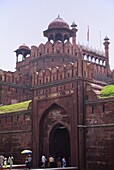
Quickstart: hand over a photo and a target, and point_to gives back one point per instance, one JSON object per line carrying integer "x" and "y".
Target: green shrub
{"x": 15, "y": 107}
{"x": 107, "y": 91}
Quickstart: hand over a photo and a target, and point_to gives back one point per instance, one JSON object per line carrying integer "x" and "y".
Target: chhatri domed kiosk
{"x": 60, "y": 30}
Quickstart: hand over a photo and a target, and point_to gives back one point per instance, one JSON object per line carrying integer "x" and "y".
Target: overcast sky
{"x": 23, "y": 21}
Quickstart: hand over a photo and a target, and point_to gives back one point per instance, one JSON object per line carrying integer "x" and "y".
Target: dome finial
{"x": 73, "y": 25}
{"x": 58, "y": 16}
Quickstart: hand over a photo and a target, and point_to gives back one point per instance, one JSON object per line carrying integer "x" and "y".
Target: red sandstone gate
{"x": 54, "y": 138}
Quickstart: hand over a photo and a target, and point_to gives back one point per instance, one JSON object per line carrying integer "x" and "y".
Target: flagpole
{"x": 88, "y": 35}
{"x": 100, "y": 40}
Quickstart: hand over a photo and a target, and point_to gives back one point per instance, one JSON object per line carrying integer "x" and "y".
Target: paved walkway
{"x": 19, "y": 166}
{"x": 23, "y": 167}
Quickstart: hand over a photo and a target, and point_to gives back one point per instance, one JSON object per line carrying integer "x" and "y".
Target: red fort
{"x": 65, "y": 116}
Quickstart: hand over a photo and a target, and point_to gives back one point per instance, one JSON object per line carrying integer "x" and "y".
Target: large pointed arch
{"x": 52, "y": 121}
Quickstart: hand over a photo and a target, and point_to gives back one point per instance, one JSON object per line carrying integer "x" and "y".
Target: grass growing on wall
{"x": 107, "y": 91}
{"x": 14, "y": 107}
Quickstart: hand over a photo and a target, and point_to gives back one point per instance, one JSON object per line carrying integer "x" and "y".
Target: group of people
{"x": 4, "y": 161}
{"x": 53, "y": 162}
{"x": 50, "y": 162}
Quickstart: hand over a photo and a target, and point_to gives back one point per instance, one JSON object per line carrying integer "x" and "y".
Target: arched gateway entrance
{"x": 54, "y": 130}
{"x": 59, "y": 142}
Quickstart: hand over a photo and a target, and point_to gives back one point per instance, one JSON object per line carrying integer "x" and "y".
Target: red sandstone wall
{"x": 15, "y": 134}
{"x": 100, "y": 136}
{"x": 14, "y": 88}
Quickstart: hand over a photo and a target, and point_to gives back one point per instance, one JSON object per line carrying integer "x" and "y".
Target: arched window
{"x": 58, "y": 37}
{"x": 60, "y": 76}
{"x": 66, "y": 37}
{"x": 85, "y": 56}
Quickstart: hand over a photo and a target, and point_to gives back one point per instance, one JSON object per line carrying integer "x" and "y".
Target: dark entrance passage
{"x": 59, "y": 143}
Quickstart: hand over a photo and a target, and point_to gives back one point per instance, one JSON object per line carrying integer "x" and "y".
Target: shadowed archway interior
{"x": 59, "y": 143}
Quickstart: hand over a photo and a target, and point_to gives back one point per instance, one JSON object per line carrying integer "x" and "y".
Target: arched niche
{"x": 67, "y": 47}
{"x": 61, "y": 72}
{"x": 40, "y": 77}
{"x": 48, "y": 48}
{"x": 41, "y": 49}
{"x": 47, "y": 74}
{"x": 69, "y": 70}
{"x": 58, "y": 47}
{"x": 54, "y": 73}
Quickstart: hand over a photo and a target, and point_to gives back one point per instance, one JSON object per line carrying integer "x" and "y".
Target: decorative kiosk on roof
{"x": 59, "y": 30}
{"x": 23, "y": 50}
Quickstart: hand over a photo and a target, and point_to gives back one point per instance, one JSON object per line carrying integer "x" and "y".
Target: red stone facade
{"x": 66, "y": 118}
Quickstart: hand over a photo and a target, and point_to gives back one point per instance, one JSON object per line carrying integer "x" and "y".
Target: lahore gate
{"x": 62, "y": 81}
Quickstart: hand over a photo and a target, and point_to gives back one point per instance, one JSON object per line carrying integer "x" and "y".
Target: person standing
{"x": 29, "y": 163}
{"x": 51, "y": 161}
{"x": 63, "y": 162}
{"x": 10, "y": 161}
{"x": 59, "y": 162}
{"x": 43, "y": 160}
{"x": 26, "y": 161}
{"x": 5, "y": 163}
{"x": 1, "y": 160}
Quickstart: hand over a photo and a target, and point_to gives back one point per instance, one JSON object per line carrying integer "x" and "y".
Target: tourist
{"x": 5, "y": 163}
{"x": 59, "y": 162}
{"x": 63, "y": 162}
{"x": 26, "y": 161}
{"x": 43, "y": 160}
{"x": 52, "y": 162}
{"x": 10, "y": 161}
{"x": 29, "y": 162}
{"x": 1, "y": 160}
